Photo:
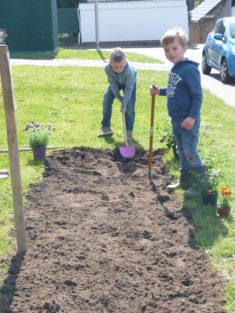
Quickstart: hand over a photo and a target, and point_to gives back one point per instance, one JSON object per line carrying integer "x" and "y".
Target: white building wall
{"x": 132, "y": 20}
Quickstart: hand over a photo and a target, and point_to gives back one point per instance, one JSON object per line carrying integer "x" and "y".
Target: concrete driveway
{"x": 212, "y": 83}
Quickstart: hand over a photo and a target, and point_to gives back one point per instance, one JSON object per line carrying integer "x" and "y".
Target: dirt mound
{"x": 101, "y": 238}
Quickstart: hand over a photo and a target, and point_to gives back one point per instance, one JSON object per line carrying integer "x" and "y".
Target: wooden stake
{"x": 13, "y": 149}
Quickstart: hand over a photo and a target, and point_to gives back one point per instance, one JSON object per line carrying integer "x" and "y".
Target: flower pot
{"x": 39, "y": 153}
{"x": 223, "y": 212}
{"x": 210, "y": 198}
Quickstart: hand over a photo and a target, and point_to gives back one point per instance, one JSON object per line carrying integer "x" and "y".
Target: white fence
{"x": 132, "y": 20}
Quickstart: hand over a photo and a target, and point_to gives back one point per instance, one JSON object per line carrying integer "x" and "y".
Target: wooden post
{"x": 13, "y": 149}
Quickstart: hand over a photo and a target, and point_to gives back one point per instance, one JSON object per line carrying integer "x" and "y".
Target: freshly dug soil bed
{"x": 103, "y": 239}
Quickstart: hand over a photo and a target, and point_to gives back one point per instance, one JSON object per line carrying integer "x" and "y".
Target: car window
{"x": 217, "y": 25}
{"x": 221, "y": 29}
{"x": 232, "y": 29}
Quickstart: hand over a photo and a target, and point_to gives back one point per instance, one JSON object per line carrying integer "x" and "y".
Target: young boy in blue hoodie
{"x": 184, "y": 100}
{"x": 121, "y": 78}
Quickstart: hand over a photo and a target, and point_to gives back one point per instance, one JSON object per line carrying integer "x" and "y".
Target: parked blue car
{"x": 219, "y": 49}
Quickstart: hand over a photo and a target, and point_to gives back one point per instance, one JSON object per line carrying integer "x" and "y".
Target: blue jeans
{"x": 187, "y": 141}
{"x": 107, "y": 108}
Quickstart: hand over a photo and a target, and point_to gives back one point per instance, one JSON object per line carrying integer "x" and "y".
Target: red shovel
{"x": 126, "y": 151}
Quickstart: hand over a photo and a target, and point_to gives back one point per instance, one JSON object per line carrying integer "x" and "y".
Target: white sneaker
{"x": 105, "y": 131}
{"x": 192, "y": 192}
{"x": 173, "y": 187}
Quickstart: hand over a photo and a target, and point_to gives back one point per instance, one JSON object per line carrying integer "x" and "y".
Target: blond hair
{"x": 172, "y": 34}
{"x": 117, "y": 55}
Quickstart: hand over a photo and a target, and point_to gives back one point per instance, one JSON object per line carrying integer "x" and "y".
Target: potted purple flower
{"x": 38, "y": 138}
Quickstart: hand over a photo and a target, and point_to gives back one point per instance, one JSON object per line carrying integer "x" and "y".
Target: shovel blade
{"x": 127, "y": 152}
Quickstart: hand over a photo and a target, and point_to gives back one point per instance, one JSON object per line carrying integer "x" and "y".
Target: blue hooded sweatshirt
{"x": 184, "y": 91}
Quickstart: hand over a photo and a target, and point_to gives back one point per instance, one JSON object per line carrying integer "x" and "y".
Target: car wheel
{"x": 206, "y": 69}
{"x": 224, "y": 75}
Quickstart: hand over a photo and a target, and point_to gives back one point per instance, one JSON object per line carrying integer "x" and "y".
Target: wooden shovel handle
{"x": 150, "y": 156}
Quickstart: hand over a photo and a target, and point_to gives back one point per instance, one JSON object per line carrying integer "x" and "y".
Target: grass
{"x": 70, "y": 99}
{"x": 91, "y": 54}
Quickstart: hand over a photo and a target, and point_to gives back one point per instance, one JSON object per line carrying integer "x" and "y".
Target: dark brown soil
{"x": 103, "y": 239}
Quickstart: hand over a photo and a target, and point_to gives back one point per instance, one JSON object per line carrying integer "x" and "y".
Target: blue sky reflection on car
{"x": 219, "y": 50}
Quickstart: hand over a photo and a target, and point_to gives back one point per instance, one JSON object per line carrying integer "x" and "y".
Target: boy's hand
{"x": 154, "y": 90}
{"x": 123, "y": 110}
{"x": 188, "y": 123}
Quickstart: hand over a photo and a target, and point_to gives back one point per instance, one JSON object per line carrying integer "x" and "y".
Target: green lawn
{"x": 70, "y": 99}
{"x": 91, "y": 54}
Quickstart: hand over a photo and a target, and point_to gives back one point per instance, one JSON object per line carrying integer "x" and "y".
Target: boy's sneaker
{"x": 105, "y": 131}
{"x": 192, "y": 192}
{"x": 185, "y": 182}
{"x": 173, "y": 187}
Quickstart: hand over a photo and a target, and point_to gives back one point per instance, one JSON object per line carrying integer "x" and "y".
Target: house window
{"x": 66, "y": 3}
